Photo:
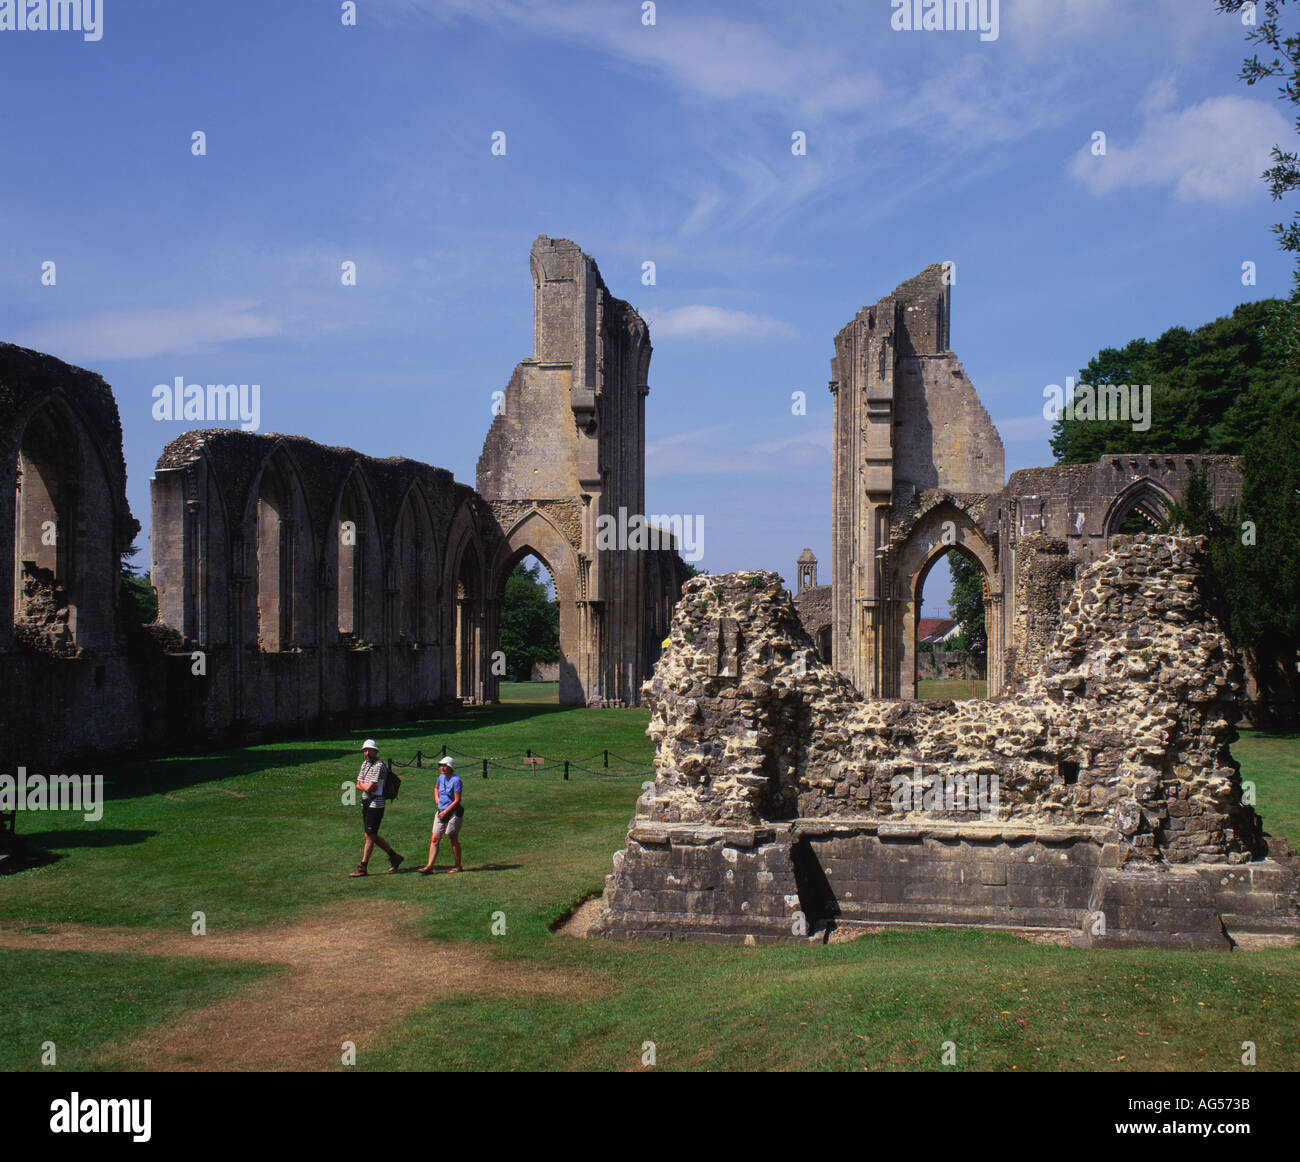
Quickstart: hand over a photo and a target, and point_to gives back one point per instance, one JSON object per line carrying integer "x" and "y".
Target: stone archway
{"x": 942, "y": 529}
{"x": 66, "y": 559}
{"x": 534, "y": 534}
{"x": 416, "y": 568}
{"x": 465, "y": 613}
{"x": 1146, "y": 499}
{"x": 284, "y": 556}
{"x": 354, "y": 554}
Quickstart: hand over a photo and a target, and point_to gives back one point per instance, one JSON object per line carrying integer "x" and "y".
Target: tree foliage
{"x": 530, "y": 623}
{"x": 967, "y": 604}
{"x": 1281, "y": 60}
{"x": 1255, "y": 555}
{"x": 139, "y": 601}
{"x": 1211, "y": 388}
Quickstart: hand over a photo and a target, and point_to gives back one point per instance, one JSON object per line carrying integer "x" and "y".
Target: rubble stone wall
{"x": 1115, "y": 755}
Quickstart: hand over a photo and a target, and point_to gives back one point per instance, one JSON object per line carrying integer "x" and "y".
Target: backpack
{"x": 392, "y": 784}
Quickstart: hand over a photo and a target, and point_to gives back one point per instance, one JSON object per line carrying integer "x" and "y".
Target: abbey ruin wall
{"x": 303, "y": 587}
{"x": 784, "y": 800}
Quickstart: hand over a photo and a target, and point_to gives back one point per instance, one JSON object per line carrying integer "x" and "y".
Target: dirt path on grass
{"x": 353, "y": 972}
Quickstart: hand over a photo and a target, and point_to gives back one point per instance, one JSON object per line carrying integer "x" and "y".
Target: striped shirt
{"x": 372, "y": 778}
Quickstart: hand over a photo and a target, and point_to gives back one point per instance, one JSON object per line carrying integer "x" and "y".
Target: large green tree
{"x": 1255, "y": 556}
{"x": 530, "y": 623}
{"x": 1226, "y": 387}
{"x": 1211, "y": 388}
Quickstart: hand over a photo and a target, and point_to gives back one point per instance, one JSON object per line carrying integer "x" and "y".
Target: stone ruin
{"x": 918, "y": 472}
{"x": 1099, "y": 798}
{"x": 301, "y": 587}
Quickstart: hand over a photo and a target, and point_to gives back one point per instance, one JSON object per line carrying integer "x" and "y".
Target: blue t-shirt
{"x": 447, "y": 790}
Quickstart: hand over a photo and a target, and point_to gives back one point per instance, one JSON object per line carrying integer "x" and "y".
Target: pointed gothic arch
{"x": 1144, "y": 498}
{"x": 537, "y": 535}
{"x": 464, "y": 608}
{"x": 66, "y": 564}
{"x": 416, "y": 566}
{"x": 942, "y": 529}
{"x": 285, "y": 560}
{"x": 355, "y": 560}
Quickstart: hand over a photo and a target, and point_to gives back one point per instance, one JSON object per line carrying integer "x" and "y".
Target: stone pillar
{"x": 995, "y": 633}
{"x": 491, "y": 626}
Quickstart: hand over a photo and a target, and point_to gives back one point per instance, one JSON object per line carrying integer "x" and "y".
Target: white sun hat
{"x": 370, "y": 744}
{"x": 447, "y": 761}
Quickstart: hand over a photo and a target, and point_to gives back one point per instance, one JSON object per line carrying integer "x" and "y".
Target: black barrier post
{"x": 607, "y": 760}
{"x": 485, "y": 768}
{"x": 419, "y": 758}
{"x": 444, "y": 750}
{"x": 530, "y": 752}
{"x": 566, "y": 768}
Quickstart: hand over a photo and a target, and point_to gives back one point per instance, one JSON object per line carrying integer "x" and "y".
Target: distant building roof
{"x": 935, "y": 629}
{"x": 806, "y": 557}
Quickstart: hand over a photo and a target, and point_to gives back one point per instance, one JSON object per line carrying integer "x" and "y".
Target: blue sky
{"x": 668, "y": 143}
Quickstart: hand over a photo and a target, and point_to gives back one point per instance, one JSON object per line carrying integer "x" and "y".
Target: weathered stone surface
{"x": 566, "y": 449}
{"x": 320, "y": 586}
{"x": 916, "y": 459}
{"x": 1114, "y": 757}
{"x": 918, "y": 473}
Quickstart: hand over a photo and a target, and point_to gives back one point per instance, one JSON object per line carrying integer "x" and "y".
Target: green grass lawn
{"x": 950, "y": 688}
{"x": 533, "y": 693}
{"x": 1271, "y": 761}
{"x": 83, "y": 1002}
{"x": 259, "y": 836}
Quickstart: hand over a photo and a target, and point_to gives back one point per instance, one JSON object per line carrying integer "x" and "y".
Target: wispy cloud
{"x": 706, "y": 55}
{"x": 141, "y": 334}
{"x": 705, "y": 322}
{"x": 1213, "y": 152}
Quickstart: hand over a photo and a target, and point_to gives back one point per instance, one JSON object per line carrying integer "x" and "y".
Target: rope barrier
{"x": 534, "y": 762}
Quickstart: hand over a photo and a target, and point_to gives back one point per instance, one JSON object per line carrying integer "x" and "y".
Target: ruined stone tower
{"x": 567, "y": 448}
{"x": 915, "y": 455}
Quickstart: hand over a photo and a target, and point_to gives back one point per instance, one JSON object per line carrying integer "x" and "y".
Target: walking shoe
{"x": 361, "y": 870}
{"x": 394, "y": 862}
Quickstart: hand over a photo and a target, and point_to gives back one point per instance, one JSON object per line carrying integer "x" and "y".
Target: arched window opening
{"x": 952, "y": 651}
{"x": 469, "y": 628}
{"x": 353, "y": 546}
{"x": 276, "y": 544}
{"x": 529, "y": 632}
{"x": 1143, "y": 509}
{"x": 411, "y": 566}
{"x": 44, "y": 596}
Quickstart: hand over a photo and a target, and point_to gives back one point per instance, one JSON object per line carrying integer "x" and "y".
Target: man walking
{"x": 450, "y": 812}
{"x": 370, "y": 782}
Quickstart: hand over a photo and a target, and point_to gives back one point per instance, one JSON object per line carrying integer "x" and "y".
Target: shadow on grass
{"x": 160, "y": 775}
{"x": 1268, "y": 734}
{"x": 89, "y": 837}
{"x": 13, "y": 862}
{"x": 442, "y": 871}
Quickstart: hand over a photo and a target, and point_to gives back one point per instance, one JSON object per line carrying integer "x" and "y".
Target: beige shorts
{"x": 448, "y": 826}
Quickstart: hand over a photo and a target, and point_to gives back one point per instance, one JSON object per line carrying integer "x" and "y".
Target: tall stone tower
{"x": 567, "y": 448}
{"x": 910, "y": 434}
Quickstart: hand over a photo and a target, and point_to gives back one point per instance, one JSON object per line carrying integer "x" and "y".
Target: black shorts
{"x": 370, "y": 818}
